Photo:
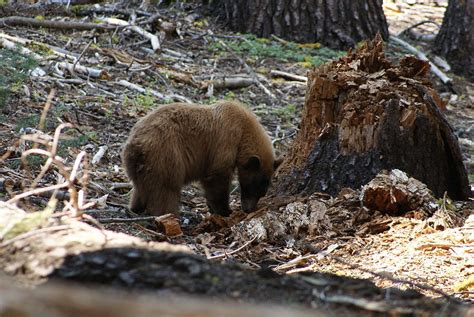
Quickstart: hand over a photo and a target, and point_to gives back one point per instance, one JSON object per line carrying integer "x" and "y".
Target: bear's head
{"x": 254, "y": 178}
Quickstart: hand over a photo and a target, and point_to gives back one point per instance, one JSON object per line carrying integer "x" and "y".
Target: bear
{"x": 180, "y": 143}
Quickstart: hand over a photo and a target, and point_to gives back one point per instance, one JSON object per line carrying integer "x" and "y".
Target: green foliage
{"x": 27, "y": 122}
{"x": 287, "y": 112}
{"x": 75, "y": 140}
{"x": 230, "y": 95}
{"x": 14, "y": 69}
{"x": 146, "y": 100}
{"x": 311, "y": 54}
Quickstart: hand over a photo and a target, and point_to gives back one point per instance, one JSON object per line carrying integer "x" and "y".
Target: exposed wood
{"x": 361, "y": 115}
{"x": 73, "y": 68}
{"x": 442, "y": 76}
{"x": 395, "y": 193}
{"x": 62, "y": 25}
{"x": 286, "y": 75}
{"x": 155, "y": 93}
{"x": 154, "y": 40}
{"x": 231, "y": 82}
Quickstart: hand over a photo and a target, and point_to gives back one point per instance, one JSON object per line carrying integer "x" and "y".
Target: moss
{"x": 14, "y": 70}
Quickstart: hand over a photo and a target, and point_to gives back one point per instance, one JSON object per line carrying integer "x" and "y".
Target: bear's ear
{"x": 253, "y": 164}
{"x": 277, "y": 162}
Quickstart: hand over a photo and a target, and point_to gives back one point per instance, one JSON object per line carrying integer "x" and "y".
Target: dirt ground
{"x": 347, "y": 240}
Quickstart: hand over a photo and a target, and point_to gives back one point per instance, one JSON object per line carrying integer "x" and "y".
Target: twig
{"x": 417, "y": 25}
{"x": 125, "y": 220}
{"x": 47, "y": 105}
{"x": 247, "y": 68}
{"x": 155, "y": 93}
{"x": 279, "y": 73}
{"x": 289, "y": 135}
{"x": 80, "y": 56}
{"x": 232, "y": 252}
{"x": 369, "y": 305}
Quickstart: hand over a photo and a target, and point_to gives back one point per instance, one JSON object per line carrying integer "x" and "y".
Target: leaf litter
{"x": 432, "y": 244}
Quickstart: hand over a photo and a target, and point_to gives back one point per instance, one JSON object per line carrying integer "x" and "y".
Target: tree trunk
{"x": 455, "y": 40}
{"x": 362, "y": 115}
{"x": 337, "y": 24}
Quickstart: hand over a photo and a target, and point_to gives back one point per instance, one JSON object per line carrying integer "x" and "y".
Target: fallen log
{"x": 362, "y": 115}
{"x": 62, "y": 25}
{"x": 65, "y": 300}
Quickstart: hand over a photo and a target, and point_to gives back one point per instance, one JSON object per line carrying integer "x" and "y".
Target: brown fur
{"x": 179, "y": 143}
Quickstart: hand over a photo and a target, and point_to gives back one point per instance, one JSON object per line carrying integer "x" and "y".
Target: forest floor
{"x": 348, "y": 241}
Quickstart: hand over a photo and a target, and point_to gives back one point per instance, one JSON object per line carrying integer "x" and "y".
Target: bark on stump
{"x": 338, "y": 24}
{"x": 361, "y": 115}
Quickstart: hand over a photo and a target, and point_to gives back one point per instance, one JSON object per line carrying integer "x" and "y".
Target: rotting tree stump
{"x": 362, "y": 114}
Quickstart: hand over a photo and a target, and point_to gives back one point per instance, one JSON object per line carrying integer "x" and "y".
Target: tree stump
{"x": 363, "y": 114}
{"x": 338, "y": 24}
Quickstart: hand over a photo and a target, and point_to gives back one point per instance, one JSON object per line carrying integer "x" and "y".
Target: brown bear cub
{"x": 180, "y": 143}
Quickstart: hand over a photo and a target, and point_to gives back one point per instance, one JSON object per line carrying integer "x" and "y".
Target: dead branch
{"x": 226, "y": 254}
{"x": 61, "y": 66}
{"x": 56, "y": 50}
{"x": 62, "y": 25}
{"x": 231, "y": 82}
{"x": 154, "y": 40}
{"x": 247, "y": 67}
{"x": 76, "y": 203}
{"x": 436, "y": 71}
{"x": 153, "y": 92}
{"x": 441, "y": 62}
{"x": 100, "y": 153}
{"x": 87, "y": 71}
{"x": 22, "y": 50}
{"x": 417, "y": 25}
{"x": 279, "y": 73}
{"x": 115, "y": 186}
{"x": 125, "y": 220}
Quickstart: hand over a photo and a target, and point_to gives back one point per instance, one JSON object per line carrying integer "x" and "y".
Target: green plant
{"x": 312, "y": 53}
{"x": 14, "y": 70}
{"x": 145, "y": 100}
{"x": 287, "y": 112}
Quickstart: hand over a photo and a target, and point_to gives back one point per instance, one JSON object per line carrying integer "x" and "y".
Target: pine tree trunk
{"x": 362, "y": 115}
{"x": 455, "y": 39}
{"x": 333, "y": 23}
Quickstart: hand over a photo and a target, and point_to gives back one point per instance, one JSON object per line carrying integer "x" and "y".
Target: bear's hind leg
{"x": 216, "y": 189}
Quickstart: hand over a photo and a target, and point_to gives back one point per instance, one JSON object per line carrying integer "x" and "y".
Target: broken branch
{"x": 23, "y": 21}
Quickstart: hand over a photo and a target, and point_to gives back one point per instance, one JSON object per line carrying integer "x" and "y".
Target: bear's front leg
{"x": 216, "y": 188}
